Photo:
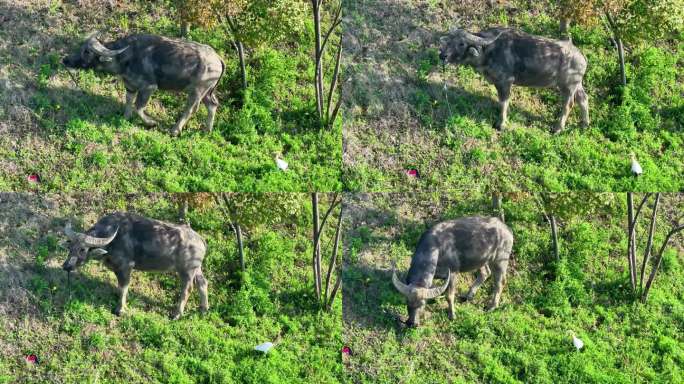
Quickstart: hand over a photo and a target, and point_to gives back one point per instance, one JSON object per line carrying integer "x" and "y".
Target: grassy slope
{"x": 75, "y": 138}
{"x": 78, "y": 340}
{"x": 527, "y": 339}
{"x": 399, "y": 116}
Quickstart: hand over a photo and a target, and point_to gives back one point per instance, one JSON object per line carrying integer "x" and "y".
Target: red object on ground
{"x": 31, "y": 359}
{"x": 411, "y": 172}
{"x": 33, "y": 178}
{"x": 346, "y": 351}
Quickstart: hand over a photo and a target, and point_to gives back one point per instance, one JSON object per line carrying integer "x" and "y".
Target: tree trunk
{"x": 319, "y": 58}
{"x": 183, "y": 211}
{"x": 649, "y": 244}
{"x": 621, "y": 57}
{"x": 241, "y": 249}
{"x": 630, "y": 240}
{"x": 317, "y": 246}
{"x": 184, "y": 29}
{"x": 243, "y": 64}
{"x": 333, "y": 262}
{"x": 564, "y": 29}
{"x": 497, "y": 206}
{"x": 554, "y": 236}
{"x": 612, "y": 26}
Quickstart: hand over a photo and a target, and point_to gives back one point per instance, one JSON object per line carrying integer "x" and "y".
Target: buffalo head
{"x": 462, "y": 47}
{"x": 92, "y": 54}
{"x": 83, "y": 247}
{"x": 416, "y": 297}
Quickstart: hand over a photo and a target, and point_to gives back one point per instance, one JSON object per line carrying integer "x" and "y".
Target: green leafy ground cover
{"x": 74, "y": 137}
{"x": 78, "y": 340}
{"x": 526, "y": 340}
{"x": 400, "y": 117}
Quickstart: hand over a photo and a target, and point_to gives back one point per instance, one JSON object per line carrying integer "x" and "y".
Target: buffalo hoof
{"x": 118, "y": 311}
{"x": 499, "y": 126}
{"x": 490, "y": 307}
{"x": 176, "y": 132}
{"x": 464, "y": 298}
{"x": 149, "y": 122}
{"x": 176, "y": 315}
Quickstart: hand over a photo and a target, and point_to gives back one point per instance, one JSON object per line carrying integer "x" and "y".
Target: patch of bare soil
{"x": 23, "y": 218}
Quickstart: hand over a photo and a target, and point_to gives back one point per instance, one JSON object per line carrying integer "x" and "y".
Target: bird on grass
{"x": 280, "y": 163}
{"x": 264, "y": 347}
{"x": 577, "y": 342}
{"x": 636, "y": 167}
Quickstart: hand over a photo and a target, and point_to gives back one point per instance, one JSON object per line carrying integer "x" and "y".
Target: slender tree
{"x": 628, "y": 21}
{"x": 325, "y": 297}
{"x": 327, "y": 114}
{"x": 249, "y": 23}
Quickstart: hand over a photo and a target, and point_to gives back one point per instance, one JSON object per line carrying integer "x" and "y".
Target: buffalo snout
{"x": 71, "y": 61}
{"x": 70, "y": 264}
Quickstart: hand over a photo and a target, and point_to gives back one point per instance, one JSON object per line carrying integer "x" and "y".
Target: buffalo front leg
{"x": 202, "y": 288}
{"x": 504, "y": 91}
{"x": 499, "y": 271}
{"x": 130, "y": 99}
{"x": 190, "y": 108}
{"x": 481, "y": 276}
{"x": 186, "y": 285}
{"x": 140, "y": 104}
{"x": 568, "y": 96}
{"x": 124, "y": 279}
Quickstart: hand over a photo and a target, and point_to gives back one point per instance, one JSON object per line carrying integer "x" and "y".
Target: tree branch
{"x": 649, "y": 244}
{"x": 659, "y": 258}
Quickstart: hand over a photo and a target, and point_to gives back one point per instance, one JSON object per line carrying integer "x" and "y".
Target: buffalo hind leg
{"x": 202, "y": 288}
{"x": 504, "y": 91}
{"x": 190, "y": 107}
{"x": 140, "y": 104}
{"x": 186, "y": 285}
{"x": 582, "y": 100}
{"x": 568, "y": 96}
{"x": 124, "y": 279}
{"x": 499, "y": 268}
{"x": 211, "y": 102}
{"x": 482, "y": 275}
{"x": 451, "y": 293}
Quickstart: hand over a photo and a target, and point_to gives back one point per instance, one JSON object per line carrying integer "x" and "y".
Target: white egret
{"x": 636, "y": 167}
{"x": 282, "y": 164}
{"x": 577, "y": 342}
{"x": 264, "y": 347}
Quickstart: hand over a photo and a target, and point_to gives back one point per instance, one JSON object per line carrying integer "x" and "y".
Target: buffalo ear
{"x": 472, "y": 51}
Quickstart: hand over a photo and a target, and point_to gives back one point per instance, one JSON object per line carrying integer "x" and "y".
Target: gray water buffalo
{"x": 481, "y": 244}
{"x": 126, "y": 241}
{"x": 506, "y": 57}
{"x": 147, "y": 63}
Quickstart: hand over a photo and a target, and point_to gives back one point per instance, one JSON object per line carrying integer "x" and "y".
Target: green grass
{"x": 399, "y": 116}
{"x": 74, "y": 136}
{"x": 528, "y": 339}
{"x": 77, "y": 339}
